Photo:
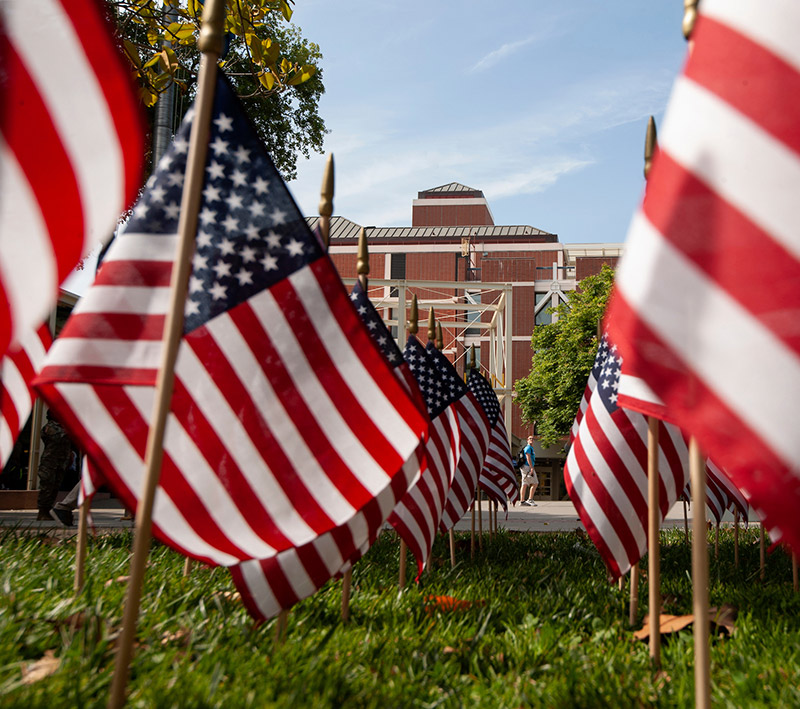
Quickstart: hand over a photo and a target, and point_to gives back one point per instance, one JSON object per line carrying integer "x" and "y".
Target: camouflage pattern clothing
{"x": 54, "y": 461}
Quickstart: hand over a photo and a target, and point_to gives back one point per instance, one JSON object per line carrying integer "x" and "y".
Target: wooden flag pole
{"x": 653, "y": 541}
{"x": 210, "y": 44}
{"x": 480, "y": 520}
{"x": 80, "y": 551}
{"x": 736, "y": 539}
{"x": 702, "y": 660}
{"x": 472, "y": 531}
{"x": 452, "y": 535}
{"x": 401, "y": 583}
{"x": 347, "y": 580}
{"x": 633, "y": 611}
{"x": 686, "y": 520}
{"x": 280, "y": 627}
{"x": 326, "y": 203}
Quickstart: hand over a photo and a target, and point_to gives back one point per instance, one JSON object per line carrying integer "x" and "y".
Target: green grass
{"x": 547, "y": 630}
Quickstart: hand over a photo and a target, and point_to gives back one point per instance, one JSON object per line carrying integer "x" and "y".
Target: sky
{"x": 542, "y": 106}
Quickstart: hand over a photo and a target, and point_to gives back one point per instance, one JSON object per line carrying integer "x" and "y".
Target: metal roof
{"x": 451, "y": 189}
{"x": 343, "y": 231}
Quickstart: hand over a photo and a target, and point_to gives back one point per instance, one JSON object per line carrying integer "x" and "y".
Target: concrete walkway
{"x": 547, "y": 516}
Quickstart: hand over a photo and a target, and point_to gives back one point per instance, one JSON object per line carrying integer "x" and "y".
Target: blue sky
{"x": 543, "y": 106}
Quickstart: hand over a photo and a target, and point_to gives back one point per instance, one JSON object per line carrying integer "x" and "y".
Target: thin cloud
{"x": 498, "y": 55}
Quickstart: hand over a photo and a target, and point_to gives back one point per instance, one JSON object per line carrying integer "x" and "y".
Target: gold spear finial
{"x": 431, "y": 325}
{"x": 689, "y": 17}
{"x": 413, "y": 318}
{"x": 326, "y": 201}
{"x": 362, "y": 265}
{"x": 472, "y": 362}
{"x": 649, "y": 146}
{"x": 211, "y": 31}
{"x": 439, "y": 338}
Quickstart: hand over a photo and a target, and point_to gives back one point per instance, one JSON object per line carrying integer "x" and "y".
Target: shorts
{"x": 529, "y": 476}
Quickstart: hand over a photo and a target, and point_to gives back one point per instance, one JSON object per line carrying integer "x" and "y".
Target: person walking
{"x": 530, "y": 481}
{"x": 55, "y": 458}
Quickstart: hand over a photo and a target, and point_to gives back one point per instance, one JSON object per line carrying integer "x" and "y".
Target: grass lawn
{"x": 544, "y": 628}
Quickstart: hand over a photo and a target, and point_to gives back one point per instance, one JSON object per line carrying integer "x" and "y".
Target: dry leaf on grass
{"x": 179, "y": 636}
{"x": 447, "y": 604}
{"x": 119, "y": 579}
{"x": 722, "y": 619}
{"x": 43, "y": 667}
{"x": 229, "y": 595}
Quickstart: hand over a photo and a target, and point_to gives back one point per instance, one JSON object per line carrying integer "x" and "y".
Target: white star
{"x": 226, "y": 247}
{"x": 192, "y": 308}
{"x": 261, "y": 186}
{"x": 157, "y": 194}
{"x": 382, "y": 340}
{"x": 274, "y": 240}
{"x": 239, "y": 178}
{"x": 175, "y": 179}
{"x": 211, "y": 193}
{"x": 234, "y": 200}
{"x": 278, "y": 216}
{"x": 164, "y": 162}
{"x": 140, "y": 209}
{"x": 269, "y": 262}
{"x": 256, "y": 209}
{"x": 195, "y": 284}
{"x": 251, "y": 232}
{"x": 203, "y": 239}
{"x": 230, "y": 223}
{"x": 219, "y": 146}
{"x": 181, "y": 145}
{"x": 215, "y": 170}
{"x": 372, "y": 324}
{"x": 392, "y": 356}
{"x": 222, "y": 269}
{"x": 248, "y": 254}
{"x": 172, "y": 210}
{"x": 217, "y": 291}
{"x": 199, "y": 262}
{"x": 354, "y": 297}
{"x": 241, "y": 154}
{"x": 207, "y": 216}
{"x": 362, "y": 310}
{"x": 223, "y": 123}
{"x": 244, "y": 277}
{"x": 295, "y": 247}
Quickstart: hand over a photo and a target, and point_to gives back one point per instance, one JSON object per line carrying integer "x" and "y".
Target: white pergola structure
{"x": 460, "y": 307}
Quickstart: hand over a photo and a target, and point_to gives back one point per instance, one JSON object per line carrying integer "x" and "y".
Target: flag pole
{"x": 702, "y": 662}
{"x": 633, "y": 610}
{"x": 326, "y": 203}
{"x": 413, "y": 329}
{"x": 686, "y": 521}
{"x": 210, "y": 44}
{"x": 476, "y": 496}
{"x": 362, "y": 270}
{"x": 80, "y": 551}
{"x": 653, "y": 539}
{"x": 439, "y": 342}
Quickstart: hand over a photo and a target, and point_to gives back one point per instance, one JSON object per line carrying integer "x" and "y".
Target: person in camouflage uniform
{"x": 54, "y": 461}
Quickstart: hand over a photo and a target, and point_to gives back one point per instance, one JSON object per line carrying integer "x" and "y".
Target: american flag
{"x": 474, "y": 430}
{"x": 285, "y": 419}
{"x": 416, "y": 517}
{"x": 497, "y": 478}
{"x": 606, "y": 467}
{"x": 17, "y": 369}
{"x": 707, "y": 296}
{"x": 71, "y": 149}
{"x": 268, "y": 586}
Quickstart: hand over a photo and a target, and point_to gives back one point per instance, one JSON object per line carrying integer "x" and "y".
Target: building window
{"x": 398, "y": 267}
{"x": 543, "y": 304}
{"x": 473, "y": 315}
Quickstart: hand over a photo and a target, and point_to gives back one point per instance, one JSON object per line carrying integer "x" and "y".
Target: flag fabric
{"x": 71, "y": 149}
{"x": 416, "y": 517}
{"x": 497, "y": 477}
{"x": 285, "y": 420}
{"x": 606, "y": 467}
{"x": 707, "y": 296}
{"x": 474, "y": 432}
{"x": 17, "y": 369}
{"x": 268, "y": 586}
{"x": 730, "y": 496}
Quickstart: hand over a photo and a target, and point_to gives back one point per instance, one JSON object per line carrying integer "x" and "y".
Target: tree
{"x": 272, "y": 67}
{"x": 564, "y": 352}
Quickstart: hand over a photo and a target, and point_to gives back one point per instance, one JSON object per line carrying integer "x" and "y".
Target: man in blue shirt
{"x": 530, "y": 481}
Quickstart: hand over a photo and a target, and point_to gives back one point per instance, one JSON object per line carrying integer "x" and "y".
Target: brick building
{"x": 454, "y": 246}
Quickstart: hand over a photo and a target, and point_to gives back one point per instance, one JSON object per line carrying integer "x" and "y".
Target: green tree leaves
{"x": 563, "y": 353}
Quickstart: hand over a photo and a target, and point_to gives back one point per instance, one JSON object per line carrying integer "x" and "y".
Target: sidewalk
{"x": 547, "y": 516}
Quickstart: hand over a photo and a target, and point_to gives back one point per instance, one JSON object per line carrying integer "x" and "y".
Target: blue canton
{"x": 606, "y": 372}
{"x": 437, "y": 378}
{"x": 375, "y": 325}
{"x": 485, "y": 395}
{"x": 250, "y": 233}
